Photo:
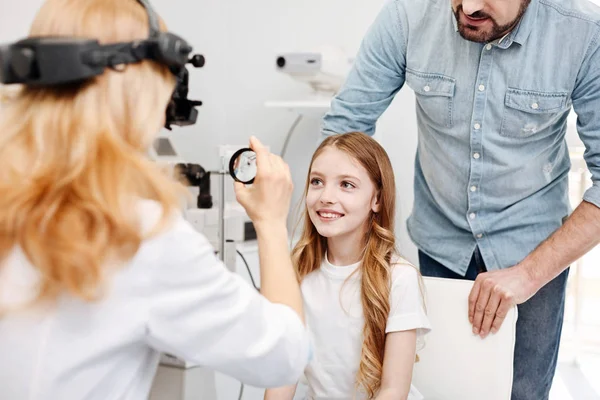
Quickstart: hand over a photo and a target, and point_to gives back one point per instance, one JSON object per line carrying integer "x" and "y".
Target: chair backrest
{"x": 455, "y": 364}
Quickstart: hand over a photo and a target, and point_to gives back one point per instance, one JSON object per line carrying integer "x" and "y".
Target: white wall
{"x": 240, "y": 40}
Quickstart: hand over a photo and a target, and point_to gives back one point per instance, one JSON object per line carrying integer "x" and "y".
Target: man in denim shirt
{"x": 494, "y": 82}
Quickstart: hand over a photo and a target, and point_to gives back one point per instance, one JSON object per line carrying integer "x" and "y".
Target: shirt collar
{"x": 453, "y": 17}
{"x": 338, "y": 271}
{"x": 524, "y": 27}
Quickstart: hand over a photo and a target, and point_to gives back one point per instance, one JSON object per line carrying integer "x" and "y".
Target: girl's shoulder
{"x": 397, "y": 260}
{"x": 403, "y": 269}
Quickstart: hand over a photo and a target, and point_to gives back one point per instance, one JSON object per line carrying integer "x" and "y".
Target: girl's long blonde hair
{"x": 379, "y": 248}
{"x": 73, "y": 158}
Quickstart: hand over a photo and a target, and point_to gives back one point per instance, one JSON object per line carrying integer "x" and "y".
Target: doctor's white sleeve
{"x": 203, "y": 313}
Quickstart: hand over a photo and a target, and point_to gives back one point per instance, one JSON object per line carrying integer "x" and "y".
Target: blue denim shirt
{"x": 492, "y": 162}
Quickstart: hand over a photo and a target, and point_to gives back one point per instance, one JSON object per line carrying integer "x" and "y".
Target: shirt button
{"x": 535, "y": 106}
{"x": 427, "y": 88}
{"x": 472, "y": 215}
{"x": 476, "y": 126}
{"x": 481, "y": 88}
{"x": 473, "y": 188}
{"x": 488, "y": 47}
{"x": 476, "y": 156}
{"x": 479, "y": 236}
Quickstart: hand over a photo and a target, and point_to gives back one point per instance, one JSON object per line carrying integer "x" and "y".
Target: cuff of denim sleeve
{"x": 592, "y": 195}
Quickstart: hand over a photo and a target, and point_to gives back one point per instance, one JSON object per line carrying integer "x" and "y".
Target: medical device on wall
{"x": 205, "y": 216}
{"x": 324, "y": 70}
{"x": 68, "y": 61}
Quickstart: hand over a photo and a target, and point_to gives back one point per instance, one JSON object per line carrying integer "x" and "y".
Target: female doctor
{"x": 99, "y": 272}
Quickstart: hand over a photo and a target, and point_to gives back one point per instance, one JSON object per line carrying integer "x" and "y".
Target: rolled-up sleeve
{"x": 203, "y": 313}
{"x": 376, "y": 76}
{"x": 586, "y": 104}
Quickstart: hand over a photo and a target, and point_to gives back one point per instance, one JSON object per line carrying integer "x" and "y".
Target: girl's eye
{"x": 347, "y": 185}
{"x": 315, "y": 181}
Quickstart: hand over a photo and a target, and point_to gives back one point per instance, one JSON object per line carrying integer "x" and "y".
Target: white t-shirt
{"x": 174, "y": 296}
{"x": 335, "y": 320}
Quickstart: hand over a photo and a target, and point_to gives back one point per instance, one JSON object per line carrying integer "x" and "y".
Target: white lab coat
{"x": 174, "y": 296}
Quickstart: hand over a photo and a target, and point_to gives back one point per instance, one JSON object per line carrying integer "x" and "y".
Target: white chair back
{"x": 455, "y": 364}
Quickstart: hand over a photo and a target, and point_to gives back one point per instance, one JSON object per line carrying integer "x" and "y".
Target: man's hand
{"x": 494, "y": 294}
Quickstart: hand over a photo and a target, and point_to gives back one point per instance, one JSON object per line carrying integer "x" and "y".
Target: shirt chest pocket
{"x": 434, "y": 96}
{"x": 528, "y": 112}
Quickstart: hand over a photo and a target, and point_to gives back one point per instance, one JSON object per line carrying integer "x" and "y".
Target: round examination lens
{"x": 242, "y": 166}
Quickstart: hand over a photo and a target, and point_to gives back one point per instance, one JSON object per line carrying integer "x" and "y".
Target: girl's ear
{"x": 375, "y": 203}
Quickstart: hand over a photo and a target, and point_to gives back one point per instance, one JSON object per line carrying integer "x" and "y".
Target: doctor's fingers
{"x": 263, "y": 155}
{"x": 278, "y": 164}
{"x": 277, "y": 169}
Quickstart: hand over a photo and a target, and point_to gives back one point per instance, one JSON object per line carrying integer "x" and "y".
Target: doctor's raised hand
{"x": 267, "y": 202}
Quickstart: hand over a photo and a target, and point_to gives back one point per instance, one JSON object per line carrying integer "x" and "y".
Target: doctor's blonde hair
{"x": 379, "y": 248}
{"x": 73, "y": 158}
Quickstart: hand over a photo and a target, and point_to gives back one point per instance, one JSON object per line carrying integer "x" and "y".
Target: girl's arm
{"x": 281, "y": 393}
{"x": 398, "y": 362}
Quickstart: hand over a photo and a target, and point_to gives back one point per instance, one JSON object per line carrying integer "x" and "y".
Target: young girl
{"x": 363, "y": 303}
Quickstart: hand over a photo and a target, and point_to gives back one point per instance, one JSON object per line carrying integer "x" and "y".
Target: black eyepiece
{"x": 198, "y": 60}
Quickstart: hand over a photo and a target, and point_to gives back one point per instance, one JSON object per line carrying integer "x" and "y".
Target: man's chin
{"x": 474, "y": 35}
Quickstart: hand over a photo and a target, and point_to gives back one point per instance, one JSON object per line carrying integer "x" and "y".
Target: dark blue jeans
{"x": 538, "y": 329}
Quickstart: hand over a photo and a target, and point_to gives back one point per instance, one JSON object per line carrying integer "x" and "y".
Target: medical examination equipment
{"x": 228, "y": 217}
{"x": 59, "y": 61}
{"x": 324, "y": 70}
{"x": 242, "y": 166}
{"x": 196, "y": 176}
